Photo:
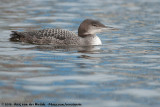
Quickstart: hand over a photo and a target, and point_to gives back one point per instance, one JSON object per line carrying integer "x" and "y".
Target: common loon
{"x": 86, "y": 35}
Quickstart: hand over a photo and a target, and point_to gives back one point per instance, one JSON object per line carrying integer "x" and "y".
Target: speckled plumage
{"x": 47, "y": 36}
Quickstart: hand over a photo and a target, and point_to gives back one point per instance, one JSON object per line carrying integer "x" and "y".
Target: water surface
{"x": 124, "y": 71}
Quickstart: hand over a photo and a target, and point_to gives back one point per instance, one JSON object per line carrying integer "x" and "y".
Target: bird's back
{"x": 45, "y": 36}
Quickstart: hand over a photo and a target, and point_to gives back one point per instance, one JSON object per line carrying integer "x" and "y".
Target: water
{"x": 124, "y": 71}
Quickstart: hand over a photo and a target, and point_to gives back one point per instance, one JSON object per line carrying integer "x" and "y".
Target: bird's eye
{"x": 95, "y": 25}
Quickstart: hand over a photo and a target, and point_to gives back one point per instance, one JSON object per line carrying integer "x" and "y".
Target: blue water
{"x": 124, "y": 71}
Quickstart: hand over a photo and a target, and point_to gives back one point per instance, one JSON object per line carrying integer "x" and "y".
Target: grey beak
{"x": 110, "y": 28}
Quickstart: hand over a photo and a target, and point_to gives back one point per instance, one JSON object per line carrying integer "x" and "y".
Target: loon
{"x": 86, "y": 35}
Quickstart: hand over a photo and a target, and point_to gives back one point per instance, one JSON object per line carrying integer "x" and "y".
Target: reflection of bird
{"x": 86, "y": 35}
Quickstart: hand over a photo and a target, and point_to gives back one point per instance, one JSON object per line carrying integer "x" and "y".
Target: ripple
{"x": 47, "y": 80}
{"x": 140, "y": 92}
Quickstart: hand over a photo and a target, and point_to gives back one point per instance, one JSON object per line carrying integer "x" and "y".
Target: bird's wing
{"x": 60, "y": 34}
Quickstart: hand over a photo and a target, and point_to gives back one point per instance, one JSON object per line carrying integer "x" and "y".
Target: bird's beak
{"x": 110, "y": 28}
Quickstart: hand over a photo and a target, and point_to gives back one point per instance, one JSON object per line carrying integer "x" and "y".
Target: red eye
{"x": 95, "y": 25}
